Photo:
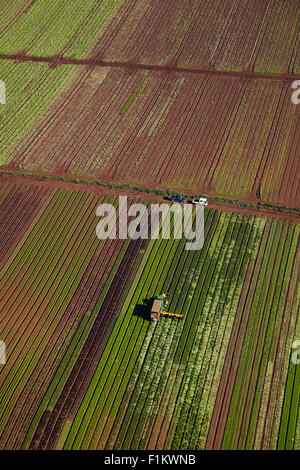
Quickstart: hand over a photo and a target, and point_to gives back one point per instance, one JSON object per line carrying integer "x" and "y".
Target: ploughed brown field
{"x": 216, "y": 134}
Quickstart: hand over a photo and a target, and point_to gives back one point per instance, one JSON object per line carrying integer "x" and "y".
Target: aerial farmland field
{"x": 110, "y": 109}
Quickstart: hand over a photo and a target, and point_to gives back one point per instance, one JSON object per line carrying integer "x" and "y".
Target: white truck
{"x": 201, "y": 202}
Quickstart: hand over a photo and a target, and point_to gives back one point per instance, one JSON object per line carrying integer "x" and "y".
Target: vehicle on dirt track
{"x": 178, "y": 198}
{"x": 202, "y": 201}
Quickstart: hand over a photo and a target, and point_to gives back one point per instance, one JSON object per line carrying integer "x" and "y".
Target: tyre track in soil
{"x": 87, "y": 360}
{"x": 154, "y": 438}
{"x": 58, "y": 59}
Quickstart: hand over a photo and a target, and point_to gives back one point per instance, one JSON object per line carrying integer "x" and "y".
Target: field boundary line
{"x": 73, "y": 182}
{"x": 57, "y": 60}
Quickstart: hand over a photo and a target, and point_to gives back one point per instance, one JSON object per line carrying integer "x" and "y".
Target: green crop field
{"x": 150, "y": 385}
{"x": 156, "y": 385}
{"x": 52, "y": 28}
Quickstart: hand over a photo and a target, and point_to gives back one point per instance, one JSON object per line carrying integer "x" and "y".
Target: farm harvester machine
{"x": 159, "y": 308}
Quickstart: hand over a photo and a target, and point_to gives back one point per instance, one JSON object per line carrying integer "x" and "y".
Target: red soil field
{"x": 256, "y": 35}
{"x": 215, "y": 134}
{"x": 221, "y": 35}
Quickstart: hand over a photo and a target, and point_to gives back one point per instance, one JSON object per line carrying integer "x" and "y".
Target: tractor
{"x": 159, "y": 308}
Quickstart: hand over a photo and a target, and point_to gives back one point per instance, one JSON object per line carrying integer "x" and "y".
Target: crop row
{"x": 227, "y": 36}
{"x": 30, "y": 90}
{"x": 188, "y": 360}
{"x": 86, "y": 368}
{"x": 18, "y": 209}
{"x": 214, "y": 134}
{"x": 257, "y": 35}
{"x": 59, "y": 265}
{"x": 260, "y": 36}
{"x": 248, "y": 406}
{"x": 121, "y": 351}
{"x": 156, "y": 386}
{"x": 45, "y": 30}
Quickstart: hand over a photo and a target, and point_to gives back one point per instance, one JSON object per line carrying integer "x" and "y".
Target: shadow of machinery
{"x": 143, "y": 310}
